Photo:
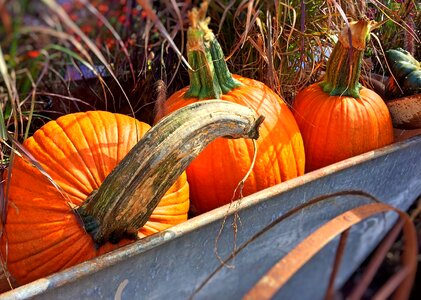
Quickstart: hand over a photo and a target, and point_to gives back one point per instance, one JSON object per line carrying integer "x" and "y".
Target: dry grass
{"x": 64, "y": 56}
{"x": 286, "y": 44}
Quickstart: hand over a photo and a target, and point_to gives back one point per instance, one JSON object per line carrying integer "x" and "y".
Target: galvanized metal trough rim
{"x": 109, "y": 259}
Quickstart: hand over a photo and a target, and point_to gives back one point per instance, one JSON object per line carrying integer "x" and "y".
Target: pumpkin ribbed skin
{"x": 78, "y": 151}
{"x": 338, "y": 127}
{"x": 338, "y": 117}
{"x": 215, "y": 173}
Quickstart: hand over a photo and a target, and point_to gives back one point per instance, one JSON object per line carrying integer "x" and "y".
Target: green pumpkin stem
{"x": 344, "y": 65}
{"x": 210, "y": 76}
{"x": 130, "y": 193}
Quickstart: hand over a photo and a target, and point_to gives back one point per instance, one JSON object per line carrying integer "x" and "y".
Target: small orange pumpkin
{"x": 78, "y": 151}
{"x": 339, "y": 118}
{"x": 216, "y": 172}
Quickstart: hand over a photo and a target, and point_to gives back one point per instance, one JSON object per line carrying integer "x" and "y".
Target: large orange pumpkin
{"x": 216, "y": 172}
{"x": 42, "y": 233}
{"x": 339, "y": 118}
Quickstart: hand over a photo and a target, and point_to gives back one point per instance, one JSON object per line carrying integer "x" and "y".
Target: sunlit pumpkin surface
{"x": 216, "y": 172}
{"x": 78, "y": 151}
{"x": 339, "y": 127}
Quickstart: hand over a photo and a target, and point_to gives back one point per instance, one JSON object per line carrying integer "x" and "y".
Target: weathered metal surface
{"x": 182, "y": 263}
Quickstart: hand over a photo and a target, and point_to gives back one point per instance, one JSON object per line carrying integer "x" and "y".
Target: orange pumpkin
{"x": 339, "y": 118}
{"x": 43, "y": 234}
{"x": 216, "y": 172}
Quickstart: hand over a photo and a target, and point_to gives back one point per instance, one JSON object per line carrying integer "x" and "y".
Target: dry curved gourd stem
{"x": 130, "y": 193}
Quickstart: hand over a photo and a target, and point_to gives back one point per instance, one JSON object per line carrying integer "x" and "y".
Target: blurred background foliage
{"x": 63, "y": 56}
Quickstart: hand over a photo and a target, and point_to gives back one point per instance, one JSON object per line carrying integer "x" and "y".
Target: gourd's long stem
{"x": 127, "y": 197}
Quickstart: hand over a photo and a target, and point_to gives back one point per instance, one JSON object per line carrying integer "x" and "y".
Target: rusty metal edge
{"x": 109, "y": 259}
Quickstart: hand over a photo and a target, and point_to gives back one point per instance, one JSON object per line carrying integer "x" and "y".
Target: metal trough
{"x": 183, "y": 262}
